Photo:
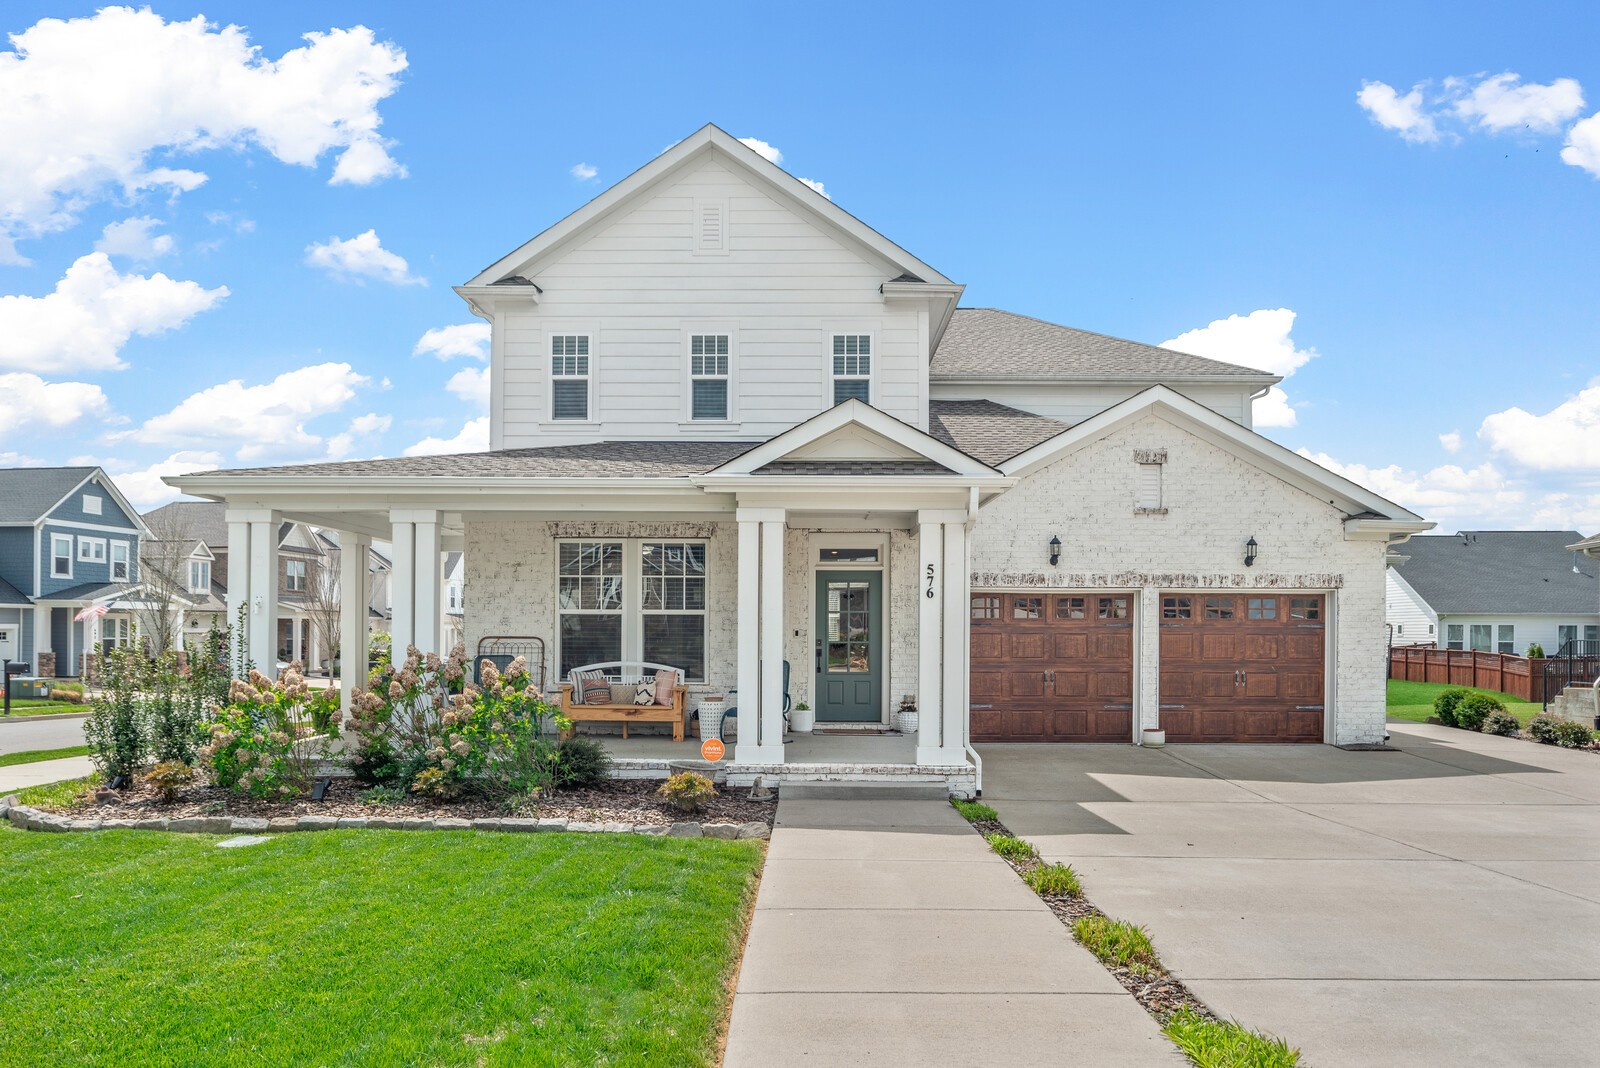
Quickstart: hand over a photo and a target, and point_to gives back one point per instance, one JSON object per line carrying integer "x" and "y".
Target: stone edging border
{"x": 31, "y": 819}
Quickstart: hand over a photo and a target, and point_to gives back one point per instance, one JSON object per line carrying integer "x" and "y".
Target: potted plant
{"x": 1153, "y": 737}
{"x": 905, "y": 720}
{"x": 801, "y": 718}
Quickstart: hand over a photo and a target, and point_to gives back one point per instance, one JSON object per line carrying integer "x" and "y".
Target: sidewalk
{"x": 20, "y": 776}
{"x": 887, "y": 933}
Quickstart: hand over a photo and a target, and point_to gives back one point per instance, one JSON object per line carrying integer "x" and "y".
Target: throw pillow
{"x": 644, "y": 694}
{"x": 621, "y": 693}
{"x": 591, "y": 688}
{"x": 666, "y": 682}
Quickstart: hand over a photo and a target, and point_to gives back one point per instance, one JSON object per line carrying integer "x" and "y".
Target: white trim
{"x": 69, "y": 557}
{"x": 98, "y": 477}
{"x": 87, "y": 551}
{"x": 101, "y": 528}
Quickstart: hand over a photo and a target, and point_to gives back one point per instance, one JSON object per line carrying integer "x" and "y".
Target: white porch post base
{"x": 760, "y": 696}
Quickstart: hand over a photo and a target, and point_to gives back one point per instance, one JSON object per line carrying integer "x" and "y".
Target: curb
{"x": 30, "y": 819}
{"x": 17, "y": 717}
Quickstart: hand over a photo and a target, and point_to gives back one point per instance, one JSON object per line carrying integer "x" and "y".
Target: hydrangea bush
{"x": 265, "y": 740}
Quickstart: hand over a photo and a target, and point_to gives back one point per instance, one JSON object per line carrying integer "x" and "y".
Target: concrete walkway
{"x": 887, "y": 933}
{"x": 20, "y": 776}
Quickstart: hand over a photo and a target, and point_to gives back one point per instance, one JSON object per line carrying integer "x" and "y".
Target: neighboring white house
{"x": 732, "y": 426}
{"x": 1494, "y": 591}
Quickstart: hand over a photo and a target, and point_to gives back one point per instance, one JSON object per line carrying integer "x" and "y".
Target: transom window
{"x": 852, "y": 367}
{"x": 199, "y": 576}
{"x": 61, "y": 556}
{"x": 1262, "y": 608}
{"x": 1305, "y": 608}
{"x": 1072, "y": 608}
{"x": 708, "y": 376}
{"x": 569, "y": 376}
{"x": 1177, "y": 608}
{"x": 1219, "y": 607}
{"x": 633, "y": 600}
{"x": 294, "y": 575}
{"x": 92, "y": 550}
{"x": 985, "y": 606}
{"x": 119, "y": 561}
{"x": 1113, "y": 608}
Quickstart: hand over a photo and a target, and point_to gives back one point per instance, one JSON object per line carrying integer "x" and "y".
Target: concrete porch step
{"x": 864, "y": 791}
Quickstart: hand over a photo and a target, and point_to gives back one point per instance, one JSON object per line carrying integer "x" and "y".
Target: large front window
{"x": 633, "y": 601}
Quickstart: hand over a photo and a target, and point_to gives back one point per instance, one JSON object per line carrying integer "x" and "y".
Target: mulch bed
{"x": 616, "y": 801}
{"x": 1160, "y": 992}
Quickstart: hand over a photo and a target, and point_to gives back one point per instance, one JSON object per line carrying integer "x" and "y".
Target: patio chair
{"x": 787, "y": 702}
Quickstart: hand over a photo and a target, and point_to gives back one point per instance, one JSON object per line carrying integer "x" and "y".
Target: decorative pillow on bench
{"x": 644, "y": 694}
{"x": 591, "y": 688}
{"x": 666, "y": 683}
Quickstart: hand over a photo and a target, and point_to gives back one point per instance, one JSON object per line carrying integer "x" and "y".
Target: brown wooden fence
{"x": 1515, "y": 675}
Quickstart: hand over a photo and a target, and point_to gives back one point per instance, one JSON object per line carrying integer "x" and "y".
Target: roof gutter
{"x": 1264, "y": 381}
{"x": 1389, "y": 531}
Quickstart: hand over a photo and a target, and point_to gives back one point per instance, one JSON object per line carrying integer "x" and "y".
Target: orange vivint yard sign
{"x": 712, "y": 749}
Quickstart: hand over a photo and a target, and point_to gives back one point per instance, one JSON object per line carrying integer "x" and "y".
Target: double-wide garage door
{"x": 1242, "y": 667}
{"x": 1052, "y": 667}
{"x": 1058, "y": 667}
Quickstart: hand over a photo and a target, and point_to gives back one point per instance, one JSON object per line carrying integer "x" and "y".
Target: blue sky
{"x": 1423, "y": 262}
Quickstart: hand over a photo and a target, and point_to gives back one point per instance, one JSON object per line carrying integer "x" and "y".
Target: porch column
{"x": 239, "y": 569}
{"x": 253, "y": 565}
{"x": 930, "y": 637}
{"x": 425, "y": 623}
{"x": 403, "y": 584}
{"x": 353, "y": 551}
{"x": 760, "y": 677}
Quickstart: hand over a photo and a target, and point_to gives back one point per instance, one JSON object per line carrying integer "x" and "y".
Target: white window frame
{"x": 590, "y": 378}
{"x": 1505, "y": 638}
{"x": 56, "y": 540}
{"x": 205, "y": 585}
{"x": 874, "y": 362}
{"x": 1455, "y": 636}
{"x": 731, "y": 415}
{"x": 92, "y": 504}
{"x": 126, "y": 552}
{"x": 632, "y": 610}
{"x": 92, "y": 550}
{"x": 289, "y": 569}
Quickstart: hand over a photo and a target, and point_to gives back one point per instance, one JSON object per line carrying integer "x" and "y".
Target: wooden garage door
{"x": 1052, "y": 667}
{"x": 1242, "y": 667}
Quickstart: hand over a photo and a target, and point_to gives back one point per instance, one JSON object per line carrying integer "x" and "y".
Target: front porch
{"x": 856, "y": 757}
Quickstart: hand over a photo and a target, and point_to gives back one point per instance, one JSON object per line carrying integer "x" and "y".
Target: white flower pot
{"x": 906, "y": 722}
{"x": 802, "y": 720}
{"x": 1153, "y": 738}
{"x": 710, "y": 710}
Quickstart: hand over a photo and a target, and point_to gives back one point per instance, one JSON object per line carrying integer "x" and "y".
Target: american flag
{"x": 94, "y": 611}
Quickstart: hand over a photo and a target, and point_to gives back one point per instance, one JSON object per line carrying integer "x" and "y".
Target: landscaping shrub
{"x": 262, "y": 742}
{"x": 1053, "y": 880}
{"x": 1474, "y": 709}
{"x": 973, "y": 811}
{"x": 1444, "y": 706}
{"x": 581, "y": 762}
{"x": 437, "y": 784}
{"x": 1552, "y": 730}
{"x": 173, "y": 712}
{"x": 1117, "y": 943}
{"x": 168, "y": 777}
{"x": 687, "y": 791}
{"x": 1501, "y": 723}
{"x": 71, "y": 697}
{"x": 114, "y": 729}
{"x": 1010, "y": 847}
{"x": 1535, "y": 651}
{"x": 383, "y": 795}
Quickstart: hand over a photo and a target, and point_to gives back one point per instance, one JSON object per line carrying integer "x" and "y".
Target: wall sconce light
{"x": 1250, "y": 552}
{"x": 1055, "y": 550}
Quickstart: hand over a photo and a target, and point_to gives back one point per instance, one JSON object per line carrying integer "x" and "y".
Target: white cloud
{"x": 33, "y": 403}
{"x": 474, "y": 437}
{"x": 1583, "y": 145}
{"x": 1260, "y": 340}
{"x": 767, "y": 152}
{"x": 459, "y": 339}
{"x": 583, "y": 172}
{"x": 361, "y": 257}
{"x": 90, "y": 102}
{"x": 362, "y": 428}
{"x": 1566, "y": 438}
{"x": 1402, "y": 114}
{"x": 262, "y": 420}
{"x": 145, "y": 490}
{"x": 817, "y": 186}
{"x": 92, "y": 313}
{"x": 133, "y": 238}
{"x": 1501, "y": 102}
{"x": 239, "y": 224}
{"x": 1451, "y": 441}
{"x": 1442, "y": 494}
{"x": 471, "y": 384}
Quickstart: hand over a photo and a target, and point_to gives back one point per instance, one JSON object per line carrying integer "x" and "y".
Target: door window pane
{"x": 849, "y": 614}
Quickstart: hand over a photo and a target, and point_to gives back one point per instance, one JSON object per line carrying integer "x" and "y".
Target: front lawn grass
{"x": 1414, "y": 701}
{"x": 59, "y": 794}
{"x": 369, "y": 947}
{"x": 1225, "y": 1044}
{"x": 33, "y": 756}
{"x": 35, "y": 706}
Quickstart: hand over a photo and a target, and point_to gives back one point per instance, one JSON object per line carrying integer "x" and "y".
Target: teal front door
{"x": 849, "y": 647}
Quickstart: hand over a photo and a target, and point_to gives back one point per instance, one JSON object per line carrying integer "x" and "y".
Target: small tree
{"x": 116, "y": 728}
{"x": 163, "y": 578}
{"x": 322, "y": 604}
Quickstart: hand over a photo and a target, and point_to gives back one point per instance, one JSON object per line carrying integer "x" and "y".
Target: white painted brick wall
{"x": 1215, "y": 502}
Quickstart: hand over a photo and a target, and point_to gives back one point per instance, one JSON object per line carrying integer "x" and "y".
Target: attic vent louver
{"x": 710, "y": 227}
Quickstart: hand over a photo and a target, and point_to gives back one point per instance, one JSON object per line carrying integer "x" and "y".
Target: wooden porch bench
{"x": 619, "y": 673}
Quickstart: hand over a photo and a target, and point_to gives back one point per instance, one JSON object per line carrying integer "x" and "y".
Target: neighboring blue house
{"x": 68, "y": 540}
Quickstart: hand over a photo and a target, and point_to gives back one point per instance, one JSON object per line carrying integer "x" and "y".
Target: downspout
{"x": 966, "y": 721}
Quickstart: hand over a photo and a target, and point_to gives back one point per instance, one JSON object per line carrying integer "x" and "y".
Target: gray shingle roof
{"x": 603, "y": 459}
{"x": 853, "y": 467}
{"x": 26, "y": 493}
{"x": 191, "y": 521}
{"x": 987, "y": 431}
{"x": 1502, "y": 572}
{"x": 90, "y": 591}
{"x": 990, "y": 343}
{"x": 9, "y": 594}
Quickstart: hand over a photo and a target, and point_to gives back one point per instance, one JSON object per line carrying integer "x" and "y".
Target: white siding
{"x": 1529, "y": 629}
{"x": 1407, "y": 613}
{"x": 1074, "y": 402}
{"x": 637, "y": 283}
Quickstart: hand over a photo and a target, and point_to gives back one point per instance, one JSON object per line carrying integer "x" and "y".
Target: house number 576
{"x": 929, "y": 594}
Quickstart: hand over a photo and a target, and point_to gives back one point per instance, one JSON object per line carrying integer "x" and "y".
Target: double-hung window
{"x": 119, "y": 561}
{"x": 708, "y": 376}
{"x": 1455, "y": 636}
{"x": 852, "y": 367}
{"x": 632, "y": 601}
{"x": 569, "y": 376}
{"x": 92, "y": 550}
{"x": 294, "y": 576}
{"x": 1479, "y": 634}
{"x": 1506, "y": 638}
{"x": 199, "y": 576}
{"x": 61, "y": 556}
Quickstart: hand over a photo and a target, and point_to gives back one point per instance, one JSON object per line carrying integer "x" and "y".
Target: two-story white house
{"x": 733, "y": 427}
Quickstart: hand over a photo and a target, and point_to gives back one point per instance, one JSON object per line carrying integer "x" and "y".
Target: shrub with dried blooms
{"x": 267, "y": 739}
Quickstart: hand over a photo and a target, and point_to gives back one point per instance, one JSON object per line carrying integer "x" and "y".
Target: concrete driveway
{"x": 1436, "y": 905}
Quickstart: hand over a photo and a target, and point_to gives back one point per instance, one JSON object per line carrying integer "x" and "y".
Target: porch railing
{"x": 1577, "y": 662}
